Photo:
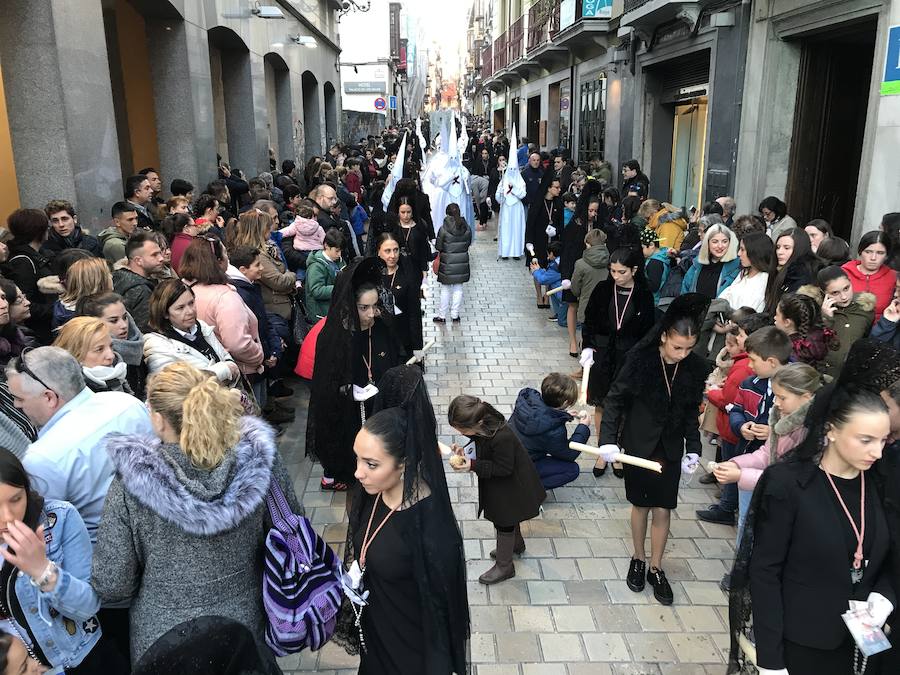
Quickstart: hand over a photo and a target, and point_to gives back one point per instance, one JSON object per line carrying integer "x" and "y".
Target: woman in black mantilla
{"x": 619, "y": 313}
{"x": 409, "y": 189}
{"x": 356, "y": 347}
{"x": 403, "y": 534}
{"x": 404, "y": 301}
{"x": 792, "y": 576}
{"x": 651, "y": 411}
{"x": 412, "y": 235}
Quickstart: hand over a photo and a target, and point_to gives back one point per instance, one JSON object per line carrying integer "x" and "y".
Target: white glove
{"x": 364, "y": 393}
{"x": 880, "y": 608}
{"x": 530, "y": 248}
{"x": 551, "y": 231}
{"x": 587, "y": 357}
{"x": 690, "y": 463}
{"x": 566, "y": 284}
{"x": 581, "y": 416}
{"x": 609, "y": 451}
{"x": 769, "y": 671}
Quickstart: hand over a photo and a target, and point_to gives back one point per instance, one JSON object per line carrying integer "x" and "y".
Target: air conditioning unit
{"x": 268, "y": 12}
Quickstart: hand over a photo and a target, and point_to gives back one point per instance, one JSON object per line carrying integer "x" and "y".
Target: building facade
{"x": 712, "y": 97}
{"x": 97, "y": 89}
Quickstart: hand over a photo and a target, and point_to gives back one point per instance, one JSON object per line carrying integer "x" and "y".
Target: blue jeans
{"x": 729, "y": 499}
{"x": 744, "y": 497}
{"x": 559, "y": 308}
{"x": 555, "y": 472}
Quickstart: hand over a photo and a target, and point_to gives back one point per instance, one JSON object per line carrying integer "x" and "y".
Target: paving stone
{"x": 650, "y": 647}
{"x": 518, "y": 648}
{"x": 532, "y": 619}
{"x": 694, "y": 648}
{"x": 657, "y": 618}
{"x": 561, "y": 647}
{"x": 596, "y": 569}
{"x": 589, "y": 669}
{"x": 490, "y": 619}
{"x": 511, "y": 592}
{"x": 606, "y": 647}
{"x": 572, "y": 548}
{"x": 699, "y": 619}
{"x": 573, "y": 618}
{"x": 481, "y": 646}
{"x": 547, "y": 593}
{"x": 497, "y": 669}
{"x": 543, "y": 669}
{"x": 704, "y": 593}
{"x": 560, "y": 569}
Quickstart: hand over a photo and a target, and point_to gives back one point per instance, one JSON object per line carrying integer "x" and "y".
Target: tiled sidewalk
{"x": 568, "y": 611}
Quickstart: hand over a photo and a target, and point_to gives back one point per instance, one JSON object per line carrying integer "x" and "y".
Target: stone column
{"x": 179, "y": 66}
{"x": 59, "y": 103}
{"x": 243, "y": 83}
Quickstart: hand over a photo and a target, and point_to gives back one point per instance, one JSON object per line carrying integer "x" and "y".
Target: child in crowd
{"x": 509, "y": 488}
{"x": 799, "y": 316}
{"x": 885, "y": 329}
{"x": 657, "y": 263}
{"x": 539, "y": 420}
{"x": 322, "y": 268}
{"x": 569, "y": 203}
{"x": 848, "y": 314}
{"x": 307, "y": 233}
{"x": 165, "y": 271}
{"x": 768, "y": 349}
{"x": 549, "y": 277}
{"x": 452, "y": 244}
{"x": 590, "y": 270}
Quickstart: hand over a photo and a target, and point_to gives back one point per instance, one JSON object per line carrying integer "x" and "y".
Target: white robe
{"x": 450, "y": 185}
{"x": 511, "y": 240}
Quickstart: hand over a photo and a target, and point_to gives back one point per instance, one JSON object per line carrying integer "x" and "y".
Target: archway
{"x": 312, "y": 123}
{"x": 232, "y": 87}
{"x": 331, "y": 114}
{"x": 278, "y": 106}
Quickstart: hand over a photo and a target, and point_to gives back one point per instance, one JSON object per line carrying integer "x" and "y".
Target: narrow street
{"x": 568, "y": 611}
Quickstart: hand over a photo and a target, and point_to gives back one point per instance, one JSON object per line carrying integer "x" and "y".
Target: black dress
{"x": 541, "y": 214}
{"x": 414, "y": 245}
{"x": 392, "y": 622}
{"x": 404, "y": 286}
{"x": 572, "y": 240}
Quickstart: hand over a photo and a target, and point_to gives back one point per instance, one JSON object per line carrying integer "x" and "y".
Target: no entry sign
{"x": 380, "y": 103}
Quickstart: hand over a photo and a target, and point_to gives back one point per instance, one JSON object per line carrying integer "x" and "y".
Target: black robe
{"x": 540, "y": 215}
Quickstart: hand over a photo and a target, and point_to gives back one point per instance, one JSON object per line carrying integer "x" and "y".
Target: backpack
{"x": 671, "y": 289}
{"x": 302, "y": 591}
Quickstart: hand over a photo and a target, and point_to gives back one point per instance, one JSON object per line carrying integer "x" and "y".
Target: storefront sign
{"x": 890, "y": 85}
{"x": 597, "y": 9}
{"x": 364, "y": 87}
{"x": 566, "y": 14}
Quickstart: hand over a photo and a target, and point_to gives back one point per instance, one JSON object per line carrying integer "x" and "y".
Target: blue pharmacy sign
{"x": 598, "y": 9}
{"x": 890, "y": 85}
{"x": 392, "y": 102}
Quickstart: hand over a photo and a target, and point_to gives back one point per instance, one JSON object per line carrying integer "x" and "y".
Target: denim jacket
{"x": 63, "y": 621}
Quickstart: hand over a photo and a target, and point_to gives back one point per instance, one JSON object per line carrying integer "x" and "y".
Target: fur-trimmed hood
{"x": 783, "y": 425}
{"x": 199, "y": 501}
{"x": 50, "y": 285}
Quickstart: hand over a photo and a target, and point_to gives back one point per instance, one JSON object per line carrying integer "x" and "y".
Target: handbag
{"x": 301, "y": 581}
{"x": 299, "y": 325}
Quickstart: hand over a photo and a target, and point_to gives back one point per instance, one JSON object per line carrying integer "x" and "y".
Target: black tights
{"x": 506, "y": 530}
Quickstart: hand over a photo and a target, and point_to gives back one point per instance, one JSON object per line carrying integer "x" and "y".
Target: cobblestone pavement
{"x": 568, "y": 610}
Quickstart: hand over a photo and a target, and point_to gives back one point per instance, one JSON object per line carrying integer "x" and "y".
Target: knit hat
{"x": 649, "y": 237}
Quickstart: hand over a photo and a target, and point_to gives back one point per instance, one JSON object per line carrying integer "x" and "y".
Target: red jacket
{"x": 720, "y": 398}
{"x": 307, "y": 357}
{"x": 881, "y": 284}
{"x": 180, "y": 242}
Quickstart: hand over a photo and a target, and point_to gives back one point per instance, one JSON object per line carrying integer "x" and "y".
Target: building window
{"x": 592, "y": 119}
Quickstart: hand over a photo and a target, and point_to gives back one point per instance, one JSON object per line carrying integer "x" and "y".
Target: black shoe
{"x": 725, "y": 583}
{"x": 439, "y": 319}
{"x": 551, "y": 318}
{"x": 599, "y": 472}
{"x": 277, "y": 389}
{"x": 456, "y": 320}
{"x": 716, "y": 514}
{"x": 635, "y": 578}
{"x": 707, "y": 479}
{"x": 618, "y": 471}
{"x": 661, "y": 589}
{"x": 516, "y": 257}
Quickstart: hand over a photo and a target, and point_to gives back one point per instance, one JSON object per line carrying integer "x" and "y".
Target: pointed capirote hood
{"x": 453, "y": 148}
{"x": 420, "y": 135}
{"x": 396, "y": 174}
{"x": 513, "y": 160}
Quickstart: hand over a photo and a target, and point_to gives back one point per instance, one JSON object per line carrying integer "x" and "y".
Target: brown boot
{"x": 503, "y": 569}
{"x": 519, "y": 547}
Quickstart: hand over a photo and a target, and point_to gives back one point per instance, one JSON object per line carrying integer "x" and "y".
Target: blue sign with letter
{"x": 891, "y": 83}
{"x": 598, "y": 9}
{"x": 392, "y": 102}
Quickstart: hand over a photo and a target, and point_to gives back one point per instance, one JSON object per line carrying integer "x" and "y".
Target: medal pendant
{"x": 856, "y": 575}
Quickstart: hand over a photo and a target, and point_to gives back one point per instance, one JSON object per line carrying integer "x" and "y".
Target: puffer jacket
{"x": 542, "y": 429}
{"x": 881, "y": 284}
{"x": 785, "y": 433}
{"x": 135, "y": 291}
{"x": 453, "y": 243}
{"x": 161, "y": 350}
{"x": 307, "y": 233}
{"x": 174, "y": 536}
{"x": 670, "y": 226}
{"x": 278, "y": 284}
{"x": 727, "y": 275}
{"x": 321, "y": 273}
{"x": 112, "y": 242}
{"x": 221, "y": 306}
{"x": 590, "y": 270}
{"x": 63, "y": 621}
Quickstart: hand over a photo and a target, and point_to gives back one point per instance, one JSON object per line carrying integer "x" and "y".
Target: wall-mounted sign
{"x": 890, "y": 85}
{"x": 380, "y": 103}
{"x": 364, "y": 87}
{"x": 596, "y": 9}
{"x": 566, "y": 14}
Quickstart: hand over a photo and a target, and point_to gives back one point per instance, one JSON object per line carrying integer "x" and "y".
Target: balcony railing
{"x": 487, "y": 63}
{"x": 501, "y": 55}
{"x": 516, "y": 39}
{"x": 543, "y": 22}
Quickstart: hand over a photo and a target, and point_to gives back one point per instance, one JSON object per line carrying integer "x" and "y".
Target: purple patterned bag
{"x": 301, "y": 581}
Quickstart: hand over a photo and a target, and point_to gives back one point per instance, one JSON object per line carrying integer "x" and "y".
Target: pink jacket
{"x": 235, "y": 325}
{"x": 307, "y": 233}
{"x": 787, "y": 433}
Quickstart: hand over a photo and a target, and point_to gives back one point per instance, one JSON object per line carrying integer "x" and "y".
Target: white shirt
{"x": 747, "y": 291}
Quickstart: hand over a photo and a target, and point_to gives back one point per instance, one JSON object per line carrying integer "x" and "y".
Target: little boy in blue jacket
{"x": 539, "y": 420}
{"x": 550, "y": 277}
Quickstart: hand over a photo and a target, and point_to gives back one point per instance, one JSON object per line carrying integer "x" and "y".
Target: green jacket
{"x": 849, "y": 323}
{"x": 320, "y": 276}
{"x": 590, "y": 270}
{"x": 113, "y": 242}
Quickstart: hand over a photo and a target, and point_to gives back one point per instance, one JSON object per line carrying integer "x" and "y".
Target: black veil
{"x": 870, "y": 365}
{"x": 330, "y": 426}
{"x": 434, "y": 536}
{"x": 409, "y": 188}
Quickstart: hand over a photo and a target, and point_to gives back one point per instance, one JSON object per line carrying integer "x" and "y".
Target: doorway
{"x": 688, "y": 153}
{"x": 829, "y": 124}
{"x": 533, "y": 119}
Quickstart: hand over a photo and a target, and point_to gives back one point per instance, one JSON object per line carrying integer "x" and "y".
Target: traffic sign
{"x": 393, "y": 102}
{"x": 891, "y": 82}
{"x": 380, "y": 103}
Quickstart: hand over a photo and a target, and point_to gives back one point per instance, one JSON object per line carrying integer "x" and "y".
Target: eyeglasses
{"x": 22, "y": 368}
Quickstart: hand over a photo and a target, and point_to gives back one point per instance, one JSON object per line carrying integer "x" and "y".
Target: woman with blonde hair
{"x": 278, "y": 283}
{"x": 88, "y": 340}
{"x": 184, "y": 517}
{"x": 717, "y": 264}
{"x": 84, "y": 278}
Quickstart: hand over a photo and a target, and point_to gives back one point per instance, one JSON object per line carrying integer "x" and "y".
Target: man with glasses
{"x": 69, "y": 459}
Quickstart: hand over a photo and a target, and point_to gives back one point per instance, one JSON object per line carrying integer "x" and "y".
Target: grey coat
{"x": 453, "y": 243}
{"x": 181, "y": 542}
